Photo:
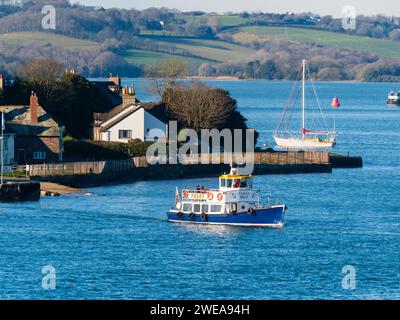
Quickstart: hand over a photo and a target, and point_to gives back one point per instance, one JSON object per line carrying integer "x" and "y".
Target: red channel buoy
{"x": 335, "y": 102}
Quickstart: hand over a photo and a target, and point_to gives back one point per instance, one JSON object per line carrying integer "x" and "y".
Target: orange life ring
{"x": 185, "y": 194}
{"x": 220, "y": 196}
{"x": 210, "y": 196}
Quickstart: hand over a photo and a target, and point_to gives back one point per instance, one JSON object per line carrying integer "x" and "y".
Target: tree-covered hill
{"x": 96, "y": 41}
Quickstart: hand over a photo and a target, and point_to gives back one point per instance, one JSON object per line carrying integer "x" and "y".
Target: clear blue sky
{"x": 333, "y": 7}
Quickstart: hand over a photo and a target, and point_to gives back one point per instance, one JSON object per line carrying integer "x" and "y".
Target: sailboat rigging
{"x": 310, "y": 139}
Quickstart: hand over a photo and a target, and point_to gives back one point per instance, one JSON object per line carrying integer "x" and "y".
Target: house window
{"x": 39, "y": 155}
{"x": 125, "y": 134}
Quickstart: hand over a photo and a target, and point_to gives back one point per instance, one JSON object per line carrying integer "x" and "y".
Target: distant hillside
{"x": 87, "y": 57}
{"x": 195, "y": 51}
{"x": 97, "y": 41}
{"x": 380, "y": 47}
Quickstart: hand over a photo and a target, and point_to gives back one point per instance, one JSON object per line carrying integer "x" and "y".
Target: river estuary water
{"x": 117, "y": 244}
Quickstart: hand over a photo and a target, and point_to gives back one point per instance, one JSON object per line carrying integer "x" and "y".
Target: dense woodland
{"x": 280, "y": 60}
{"x": 119, "y": 29}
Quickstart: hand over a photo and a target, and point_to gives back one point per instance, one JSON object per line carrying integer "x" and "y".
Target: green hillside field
{"x": 204, "y": 50}
{"x": 225, "y": 20}
{"x": 143, "y": 57}
{"x": 52, "y": 38}
{"x": 380, "y": 47}
{"x": 231, "y": 20}
{"x": 208, "y": 49}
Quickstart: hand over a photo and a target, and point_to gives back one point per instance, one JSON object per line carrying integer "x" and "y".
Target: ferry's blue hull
{"x": 264, "y": 217}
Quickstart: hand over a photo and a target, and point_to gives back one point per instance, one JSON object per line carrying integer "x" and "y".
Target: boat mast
{"x": 303, "y": 101}
{"x": 3, "y": 124}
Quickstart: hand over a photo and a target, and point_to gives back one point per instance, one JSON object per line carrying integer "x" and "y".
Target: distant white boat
{"x": 307, "y": 139}
{"x": 393, "y": 98}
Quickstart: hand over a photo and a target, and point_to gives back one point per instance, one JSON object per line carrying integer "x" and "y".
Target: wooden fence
{"x": 117, "y": 166}
{"x": 77, "y": 168}
{"x": 291, "y": 157}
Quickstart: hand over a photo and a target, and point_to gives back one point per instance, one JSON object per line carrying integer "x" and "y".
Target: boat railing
{"x": 200, "y": 191}
{"x": 214, "y": 190}
{"x": 268, "y": 200}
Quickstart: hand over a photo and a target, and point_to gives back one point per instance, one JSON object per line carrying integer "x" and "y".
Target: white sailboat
{"x": 308, "y": 139}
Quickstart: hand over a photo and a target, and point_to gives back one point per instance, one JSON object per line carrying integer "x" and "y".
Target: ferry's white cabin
{"x": 235, "y": 194}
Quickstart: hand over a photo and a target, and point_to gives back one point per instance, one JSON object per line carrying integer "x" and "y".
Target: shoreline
{"x": 55, "y": 189}
{"x": 174, "y": 172}
{"x": 54, "y": 184}
{"x": 76, "y": 182}
{"x": 229, "y": 78}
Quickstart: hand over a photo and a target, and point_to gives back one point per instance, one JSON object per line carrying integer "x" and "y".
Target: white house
{"x": 9, "y": 146}
{"x": 131, "y": 120}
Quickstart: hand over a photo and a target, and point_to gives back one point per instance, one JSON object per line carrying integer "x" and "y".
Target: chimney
{"x": 131, "y": 90}
{"x": 34, "y": 104}
{"x": 1, "y": 83}
{"x": 115, "y": 79}
{"x": 128, "y": 95}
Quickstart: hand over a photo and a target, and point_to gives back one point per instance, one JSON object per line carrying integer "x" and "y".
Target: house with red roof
{"x": 37, "y": 137}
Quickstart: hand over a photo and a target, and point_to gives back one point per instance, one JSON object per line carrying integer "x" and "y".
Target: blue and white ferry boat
{"x": 234, "y": 203}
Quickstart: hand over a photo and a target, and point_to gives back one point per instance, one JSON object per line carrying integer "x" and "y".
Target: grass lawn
{"x": 231, "y": 20}
{"x": 52, "y": 38}
{"x": 208, "y": 49}
{"x": 225, "y": 20}
{"x": 380, "y": 47}
{"x": 148, "y": 57}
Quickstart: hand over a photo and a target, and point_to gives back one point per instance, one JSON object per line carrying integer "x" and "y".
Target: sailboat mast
{"x": 2, "y": 148}
{"x": 303, "y": 101}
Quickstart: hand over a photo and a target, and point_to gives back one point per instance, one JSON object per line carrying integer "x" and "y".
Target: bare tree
{"x": 45, "y": 77}
{"x": 165, "y": 75}
{"x": 198, "y": 106}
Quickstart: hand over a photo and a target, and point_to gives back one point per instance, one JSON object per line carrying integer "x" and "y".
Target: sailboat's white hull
{"x": 306, "y": 143}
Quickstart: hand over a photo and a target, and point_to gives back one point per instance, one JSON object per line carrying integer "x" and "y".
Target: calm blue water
{"x": 117, "y": 243}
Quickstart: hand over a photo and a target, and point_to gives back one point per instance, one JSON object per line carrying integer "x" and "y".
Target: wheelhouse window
{"x": 236, "y": 183}
{"x": 125, "y": 134}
